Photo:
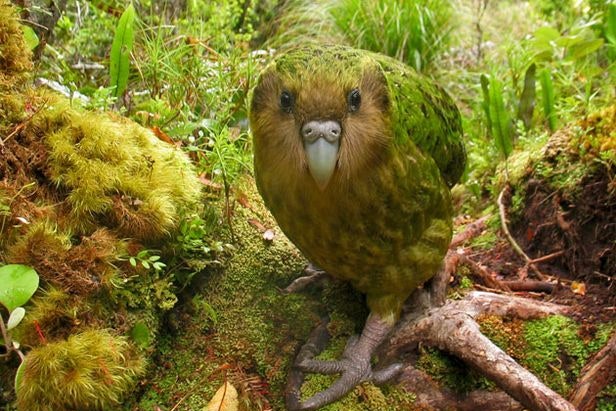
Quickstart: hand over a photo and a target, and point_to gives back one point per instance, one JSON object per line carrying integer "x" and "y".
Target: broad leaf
{"x": 485, "y": 87}
{"x": 20, "y": 374}
{"x": 225, "y": 399}
{"x": 30, "y": 37}
{"x": 17, "y": 284}
{"x": 141, "y": 334}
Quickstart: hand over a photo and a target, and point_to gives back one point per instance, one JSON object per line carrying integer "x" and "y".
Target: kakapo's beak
{"x": 321, "y": 144}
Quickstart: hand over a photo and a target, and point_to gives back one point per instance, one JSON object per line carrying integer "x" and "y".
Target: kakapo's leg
{"x": 354, "y": 366}
{"x": 312, "y": 274}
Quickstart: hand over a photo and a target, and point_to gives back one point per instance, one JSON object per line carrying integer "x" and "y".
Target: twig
{"x": 470, "y": 231}
{"x": 548, "y": 257}
{"x": 487, "y": 277}
{"x": 23, "y": 124}
{"x": 516, "y": 247}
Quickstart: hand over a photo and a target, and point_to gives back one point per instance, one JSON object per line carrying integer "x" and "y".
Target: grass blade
{"x": 501, "y": 121}
{"x": 547, "y": 90}
{"x": 526, "y": 106}
{"x": 120, "y": 51}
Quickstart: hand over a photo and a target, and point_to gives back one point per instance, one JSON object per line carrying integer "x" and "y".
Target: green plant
{"x": 146, "y": 259}
{"x": 19, "y": 283}
{"x": 414, "y": 32}
{"x": 91, "y": 370}
{"x": 500, "y": 126}
{"x": 547, "y": 91}
{"x": 120, "y": 51}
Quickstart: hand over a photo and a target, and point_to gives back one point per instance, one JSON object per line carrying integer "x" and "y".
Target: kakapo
{"x": 354, "y": 155}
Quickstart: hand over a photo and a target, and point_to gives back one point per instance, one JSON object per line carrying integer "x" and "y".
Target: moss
{"x": 607, "y": 399}
{"x": 506, "y": 333}
{"x": 450, "y": 371}
{"x": 79, "y": 193}
{"x": 114, "y": 172}
{"x": 241, "y": 322}
{"x": 556, "y": 352}
{"x": 15, "y": 56}
{"x": 90, "y": 370}
{"x": 552, "y": 348}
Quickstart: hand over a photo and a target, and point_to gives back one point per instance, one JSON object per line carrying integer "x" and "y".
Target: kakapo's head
{"x": 320, "y": 114}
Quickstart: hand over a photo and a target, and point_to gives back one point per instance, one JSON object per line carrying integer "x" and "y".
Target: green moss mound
{"x": 15, "y": 56}
{"x": 88, "y": 371}
{"x": 94, "y": 203}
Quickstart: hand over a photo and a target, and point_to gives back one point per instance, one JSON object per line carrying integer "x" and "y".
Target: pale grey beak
{"x": 321, "y": 144}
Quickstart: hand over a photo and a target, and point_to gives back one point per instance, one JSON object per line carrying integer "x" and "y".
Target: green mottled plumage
{"x": 383, "y": 222}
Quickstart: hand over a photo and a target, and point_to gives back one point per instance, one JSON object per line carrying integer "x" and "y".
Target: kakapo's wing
{"x": 425, "y": 113}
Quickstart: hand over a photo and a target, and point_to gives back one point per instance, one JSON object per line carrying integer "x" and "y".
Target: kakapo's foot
{"x": 354, "y": 367}
{"x": 312, "y": 274}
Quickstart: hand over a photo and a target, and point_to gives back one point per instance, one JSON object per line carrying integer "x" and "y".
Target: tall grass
{"x": 414, "y": 32}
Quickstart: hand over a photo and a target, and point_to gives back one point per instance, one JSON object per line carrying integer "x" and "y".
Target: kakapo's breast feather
{"x": 387, "y": 227}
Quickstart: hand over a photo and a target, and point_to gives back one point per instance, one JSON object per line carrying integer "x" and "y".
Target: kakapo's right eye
{"x": 286, "y": 101}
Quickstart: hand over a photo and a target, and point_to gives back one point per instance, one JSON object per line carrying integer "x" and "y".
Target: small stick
{"x": 514, "y": 244}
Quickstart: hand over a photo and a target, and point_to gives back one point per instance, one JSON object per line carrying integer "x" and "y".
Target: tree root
{"x": 452, "y": 327}
{"x": 595, "y": 376}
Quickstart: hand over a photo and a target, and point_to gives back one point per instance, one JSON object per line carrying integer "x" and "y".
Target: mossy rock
{"x": 241, "y": 325}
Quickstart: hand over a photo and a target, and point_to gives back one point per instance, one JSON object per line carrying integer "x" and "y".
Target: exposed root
{"x": 453, "y": 328}
{"x": 430, "y": 394}
{"x": 595, "y": 376}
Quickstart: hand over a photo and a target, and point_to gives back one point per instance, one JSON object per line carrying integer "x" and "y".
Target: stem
{"x": 8, "y": 342}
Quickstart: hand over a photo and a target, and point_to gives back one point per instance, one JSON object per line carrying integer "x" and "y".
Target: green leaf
{"x": 141, "y": 334}
{"x": 120, "y": 51}
{"x": 501, "y": 121}
{"x": 547, "y": 91}
{"x": 30, "y": 36}
{"x": 145, "y": 264}
{"x": 485, "y": 87}
{"x": 132, "y": 261}
{"x": 527, "y": 99}
{"x": 15, "y": 318}
{"x": 18, "y": 284}
{"x": 584, "y": 48}
{"x": 20, "y": 374}
{"x": 610, "y": 24}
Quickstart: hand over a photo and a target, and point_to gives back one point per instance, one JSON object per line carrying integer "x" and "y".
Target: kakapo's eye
{"x": 354, "y": 100}
{"x": 286, "y": 101}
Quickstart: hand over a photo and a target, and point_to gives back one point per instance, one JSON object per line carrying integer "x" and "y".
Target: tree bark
{"x": 595, "y": 376}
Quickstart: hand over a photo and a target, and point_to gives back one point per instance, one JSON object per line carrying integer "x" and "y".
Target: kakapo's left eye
{"x": 286, "y": 101}
{"x": 354, "y": 100}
